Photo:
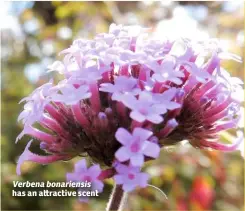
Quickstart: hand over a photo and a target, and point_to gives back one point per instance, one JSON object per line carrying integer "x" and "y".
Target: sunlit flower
{"x": 122, "y": 85}
{"x": 144, "y": 108}
{"x": 124, "y": 96}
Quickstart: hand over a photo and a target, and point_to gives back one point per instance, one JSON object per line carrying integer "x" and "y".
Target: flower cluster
{"x": 124, "y": 96}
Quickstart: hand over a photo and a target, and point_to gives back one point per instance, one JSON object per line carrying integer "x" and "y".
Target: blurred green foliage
{"x": 192, "y": 179}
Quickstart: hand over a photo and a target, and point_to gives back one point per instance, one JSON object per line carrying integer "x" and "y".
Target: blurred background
{"x": 32, "y": 35}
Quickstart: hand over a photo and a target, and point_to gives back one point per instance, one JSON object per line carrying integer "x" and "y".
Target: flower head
{"x": 125, "y": 95}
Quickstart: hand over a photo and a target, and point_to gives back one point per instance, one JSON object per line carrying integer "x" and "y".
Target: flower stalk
{"x": 117, "y": 199}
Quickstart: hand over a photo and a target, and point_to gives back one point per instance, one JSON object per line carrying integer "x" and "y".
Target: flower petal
{"x": 123, "y": 136}
{"x": 137, "y": 160}
{"x": 142, "y": 179}
{"x": 137, "y": 116}
{"x": 122, "y": 154}
{"x": 151, "y": 149}
{"x": 94, "y": 171}
{"x": 154, "y": 118}
{"x": 142, "y": 133}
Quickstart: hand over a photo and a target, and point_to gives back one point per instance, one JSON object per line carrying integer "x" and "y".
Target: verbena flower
{"x": 135, "y": 146}
{"x": 124, "y": 96}
{"x": 82, "y": 173}
{"x": 130, "y": 177}
{"x": 122, "y": 85}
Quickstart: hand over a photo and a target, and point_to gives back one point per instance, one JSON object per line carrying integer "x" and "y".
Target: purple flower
{"x": 167, "y": 71}
{"x": 166, "y": 99}
{"x": 35, "y": 104}
{"x": 124, "y": 96}
{"x": 88, "y": 75}
{"x": 57, "y": 66}
{"x": 32, "y": 112}
{"x": 122, "y": 85}
{"x": 144, "y": 108}
{"x": 199, "y": 73}
{"x": 82, "y": 174}
{"x": 130, "y": 57}
{"x": 233, "y": 83}
{"x": 135, "y": 146}
{"x": 71, "y": 95}
{"x": 107, "y": 38}
{"x": 130, "y": 177}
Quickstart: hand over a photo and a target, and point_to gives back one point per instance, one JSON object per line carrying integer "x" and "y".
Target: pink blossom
{"x": 122, "y": 85}
{"x": 125, "y": 95}
{"x": 145, "y": 108}
{"x": 82, "y": 174}
{"x": 135, "y": 146}
{"x": 130, "y": 177}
